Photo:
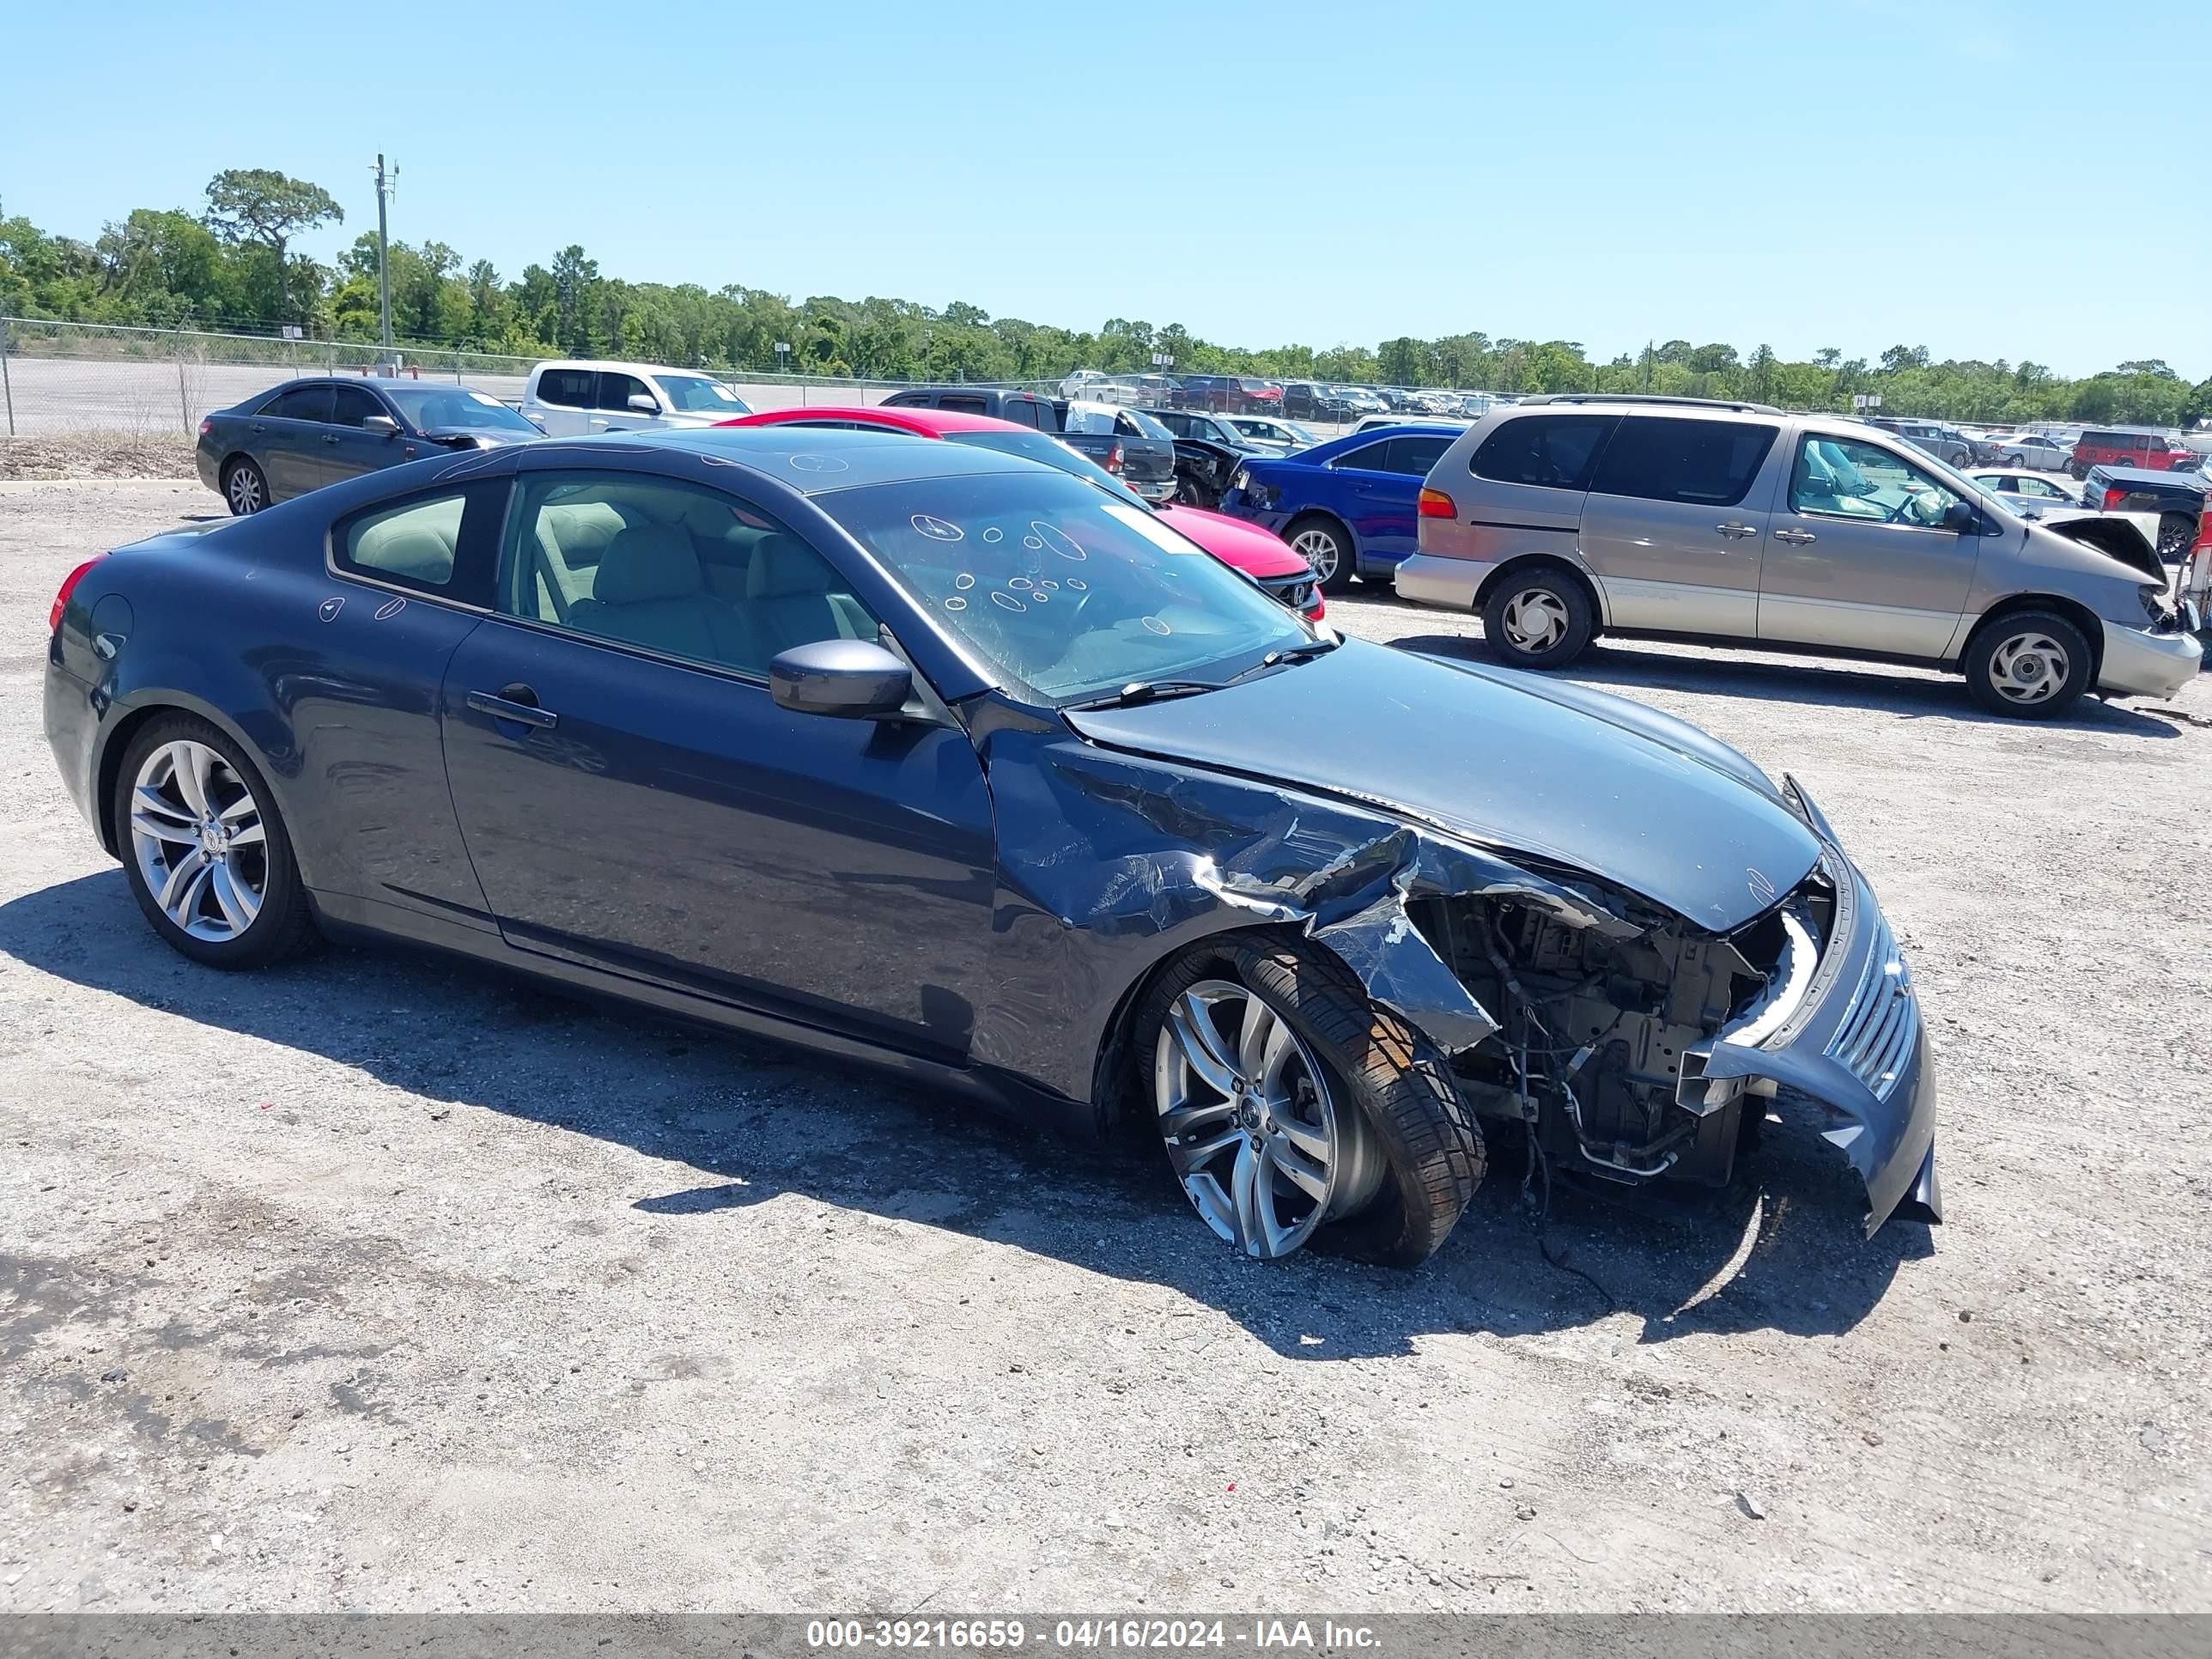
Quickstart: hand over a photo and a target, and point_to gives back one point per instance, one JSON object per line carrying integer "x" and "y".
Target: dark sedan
{"x": 928, "y": 756}
{"x": 306, "y": 434}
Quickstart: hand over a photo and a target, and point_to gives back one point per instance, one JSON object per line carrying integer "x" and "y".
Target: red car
{"x": 2130, "y": 446}
{"x": 1259, "y": 554}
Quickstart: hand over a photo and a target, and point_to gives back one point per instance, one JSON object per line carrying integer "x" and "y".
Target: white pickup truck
{"x": 570, "y": 399}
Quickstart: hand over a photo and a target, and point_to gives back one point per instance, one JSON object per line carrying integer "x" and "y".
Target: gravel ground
{"x": 373, "y": 1283}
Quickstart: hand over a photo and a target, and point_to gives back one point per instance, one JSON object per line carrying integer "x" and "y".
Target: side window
{"x": 426, "y": 544}
{"x": 571, "y": 388}
{"x": 1414, "y": 457}
{"x": 1368, "y": 458}
{"x": 962, "y": 403}
{"x": 350, "y": 406}
{"x": 1703, "y": 463}
{"x": 1553, "y": 452}
{"x": 1843, "y": 478}
{"x": 301, "y": 403}
{"x": 616, "y": 389}
{"x": 669, "y": 566}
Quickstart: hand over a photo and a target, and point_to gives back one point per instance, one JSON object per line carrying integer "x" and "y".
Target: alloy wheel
{"x": 198, "y": 838}
{"x": 244, "y": 491}
{"x": 1256, "y": 1134}
{"x": 1535, "y": 621}
{"x": 2029, "y": 668}
{"x": 1319, "y": 549}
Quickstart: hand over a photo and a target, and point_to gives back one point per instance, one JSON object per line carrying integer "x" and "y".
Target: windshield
{"x": 1035, "y": 447}
{"x": 695, "y": 394}
{"x": 430, "y": 407}
{"x": 1069, "y": 593}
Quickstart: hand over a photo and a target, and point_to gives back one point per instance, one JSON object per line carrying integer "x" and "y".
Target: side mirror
{"x": 856, "y": 679}
{"x": 382, "y": 425}
{"x": 644, "y": 403}
{"x": 1960, "y": 517}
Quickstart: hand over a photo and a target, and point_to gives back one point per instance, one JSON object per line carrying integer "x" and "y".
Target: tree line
{"x": 232, "y": 265}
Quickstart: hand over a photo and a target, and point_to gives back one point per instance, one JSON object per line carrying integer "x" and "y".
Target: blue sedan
{"x": 1351, "y": 506}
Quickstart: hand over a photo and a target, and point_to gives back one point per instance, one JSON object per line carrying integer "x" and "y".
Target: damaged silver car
{"x": 933, "y": 757}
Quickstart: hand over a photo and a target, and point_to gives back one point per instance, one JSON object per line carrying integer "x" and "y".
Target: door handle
{"x": 1734, "y": 528}
{"x": 1795, "y": 538}
{"x": 258, "y": 427}
{"x": 330, "y": 437}
{"x": 518, "y": 703}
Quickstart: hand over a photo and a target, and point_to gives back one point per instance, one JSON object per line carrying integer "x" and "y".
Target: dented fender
{"x": 1110, "y": 862}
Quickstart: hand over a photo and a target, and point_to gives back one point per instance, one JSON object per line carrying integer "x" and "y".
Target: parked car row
{"x": 1302, "y": 400}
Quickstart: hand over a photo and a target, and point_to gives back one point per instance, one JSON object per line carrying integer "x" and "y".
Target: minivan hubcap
{"x": 1535, "y": 621}
{"x": 1319, "y": 547}
{"x": 2028, "y": 668}
{"x": 196, "y": 833}
{"x": 1256, "y": 1134}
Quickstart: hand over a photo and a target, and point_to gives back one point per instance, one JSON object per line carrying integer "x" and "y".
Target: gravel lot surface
{"x": 373, "y": 1283}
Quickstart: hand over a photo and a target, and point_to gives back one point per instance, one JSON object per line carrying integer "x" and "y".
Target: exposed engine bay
{"x": 1594, "y": 1028}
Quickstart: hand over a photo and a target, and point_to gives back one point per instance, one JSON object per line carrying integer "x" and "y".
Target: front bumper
{"x": 2146, "y": 664}
{"x": 1424, "y": 579}
{"x": 1858, "y": 1049}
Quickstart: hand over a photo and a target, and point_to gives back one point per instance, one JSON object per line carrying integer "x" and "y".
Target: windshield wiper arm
{"x": 1138, "y": 691}
{"x": 1276, "y": 658}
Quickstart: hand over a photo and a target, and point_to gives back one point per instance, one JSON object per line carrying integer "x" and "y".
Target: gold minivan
{"x": 1566, "y": 517}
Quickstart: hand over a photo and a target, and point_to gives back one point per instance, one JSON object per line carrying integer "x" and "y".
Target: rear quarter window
{"x": 1551, "y": 452}
{"x": 572, "y": 388}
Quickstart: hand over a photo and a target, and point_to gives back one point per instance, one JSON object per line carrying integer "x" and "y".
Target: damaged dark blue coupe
{"x": 933, "y": 758}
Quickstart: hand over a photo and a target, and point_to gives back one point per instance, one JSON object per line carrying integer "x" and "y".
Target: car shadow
{"x": 1782, "y": 1250}
{"x": 1825, "y": 685}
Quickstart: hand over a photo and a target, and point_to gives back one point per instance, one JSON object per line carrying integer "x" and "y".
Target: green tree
{"x": 263, "y": 206}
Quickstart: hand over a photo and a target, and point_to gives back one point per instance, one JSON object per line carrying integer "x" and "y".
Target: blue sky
{"x": 1847, "y": 172}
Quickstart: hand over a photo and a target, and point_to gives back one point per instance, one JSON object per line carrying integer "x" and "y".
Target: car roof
{"x": 817, "y": 461}
{"x": 924, "y": 421}
{"x": 613, "y": 366}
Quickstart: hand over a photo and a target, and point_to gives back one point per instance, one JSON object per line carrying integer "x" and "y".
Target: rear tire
{"x": 2029, "y": 665}
{"x": 2076, "y": 471}
{"x": 2176, "y": 534}
{"x": 244, "y": 488}
{"x": 1326, "y": 545}
{"x": 1414, "y": 1155}
{"x": 204, "y": 850}
{"x": 1191, "y": 491}
{"x": 1537, "y": 619}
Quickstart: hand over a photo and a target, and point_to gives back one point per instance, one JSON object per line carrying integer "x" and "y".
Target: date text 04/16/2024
{"x": 1089, "y": 1634}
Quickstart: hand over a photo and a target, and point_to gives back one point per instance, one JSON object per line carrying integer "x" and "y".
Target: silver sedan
{"x": 2033, "y": 450}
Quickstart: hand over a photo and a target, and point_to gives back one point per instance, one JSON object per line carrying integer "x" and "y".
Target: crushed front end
{"x": 1651, "y": 1057}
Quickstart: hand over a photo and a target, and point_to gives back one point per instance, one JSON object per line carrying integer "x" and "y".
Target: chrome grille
{"x": 1875, "y": 1040}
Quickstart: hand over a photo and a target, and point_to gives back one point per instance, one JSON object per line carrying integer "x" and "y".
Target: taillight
{"x": 207, "y": 424}
{"x": 69, "y": 587}
{"x": 1435, "y": 504}
{"x": 1114, "y": 459}
{"x": 2113, "y": 498}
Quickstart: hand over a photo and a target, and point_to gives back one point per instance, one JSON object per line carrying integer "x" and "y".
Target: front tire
{"x": 1539, "y": 619}
{"x": 244, "y": 488}
{"x": 206, "y": 854}
{"x": 1327, "y": 546}
{"x": 1294, "y": 1109}
{"x": 2031, "y": 666}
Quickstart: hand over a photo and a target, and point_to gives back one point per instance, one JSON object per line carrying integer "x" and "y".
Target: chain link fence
{"x": 62, "y": 379}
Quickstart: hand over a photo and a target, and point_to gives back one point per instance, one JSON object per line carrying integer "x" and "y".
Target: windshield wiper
{"x": 1138, "y": 691}
{"x": 1275, "y": 659}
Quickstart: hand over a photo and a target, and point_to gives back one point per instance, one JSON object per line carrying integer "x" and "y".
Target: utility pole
{"x": 384, "y": 182}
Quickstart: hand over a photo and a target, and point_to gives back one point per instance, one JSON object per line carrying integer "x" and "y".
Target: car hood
{"x": 1243, "y": 546}
{"x": 1510, "y": 763}
{"x": 490, "y": 436}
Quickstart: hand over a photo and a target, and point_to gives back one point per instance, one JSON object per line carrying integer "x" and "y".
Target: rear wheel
{"x": 244, "y": 488}
{"x": 1295, "y": 1110}
{"x": 2031, "y": 665}
{"x": 1537, "y": 619}
{"x": 206, "y": 854}
{"x": 2176, "y": 534}
{"x": 2077, "y": 471}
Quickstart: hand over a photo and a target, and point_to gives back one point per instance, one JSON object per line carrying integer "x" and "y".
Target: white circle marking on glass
{"x": 937, "y": 529}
